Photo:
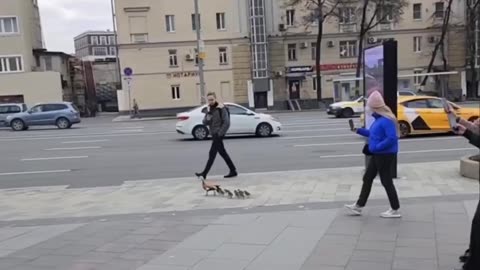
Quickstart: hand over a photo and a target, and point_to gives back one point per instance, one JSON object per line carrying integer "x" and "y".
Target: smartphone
{"x": 352, "y": 125}
{"x": 452, "y": 118}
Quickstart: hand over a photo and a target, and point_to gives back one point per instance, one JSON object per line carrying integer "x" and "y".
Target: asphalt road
{"x": 101, "y": 153}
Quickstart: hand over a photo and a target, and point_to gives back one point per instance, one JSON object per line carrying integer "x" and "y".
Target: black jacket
{"x": 473, "y": 138}
{"x": 218, "y": 120}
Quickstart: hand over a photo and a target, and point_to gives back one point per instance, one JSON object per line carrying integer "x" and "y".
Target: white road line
{"x": 73, "y": 148}
{"x": 127, "y": 130}
{"x": 406, "y": 152}
{"x": 130, "y": 128}
{"x": 91, "y": 141}
{"x": 311, "y": 130}
{"x": 316, "y": 125}
{"x": 313, "y": 137}
{"x": 83, "y": 136}
{"x": 34, "y": 172}
{"x": 52, "y": 158}
{"x": 353, "y": 143}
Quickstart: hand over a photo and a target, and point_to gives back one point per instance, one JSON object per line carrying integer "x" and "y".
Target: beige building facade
{"x": 259, "y": 53}
{"x": 21, "y": 77}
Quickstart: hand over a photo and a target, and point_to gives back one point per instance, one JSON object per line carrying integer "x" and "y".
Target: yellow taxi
{"x": 426, "y": 115}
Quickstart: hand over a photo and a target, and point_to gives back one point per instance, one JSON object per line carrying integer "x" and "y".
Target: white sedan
{"x": 242, "y": 121}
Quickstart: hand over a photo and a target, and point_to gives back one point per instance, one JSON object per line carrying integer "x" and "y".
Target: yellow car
{"x": 426, "y": 115}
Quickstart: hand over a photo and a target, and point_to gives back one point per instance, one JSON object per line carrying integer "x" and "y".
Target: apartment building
{"x": 21, "y": 77}
{"x": 95, "y": 45}
{"x": 261, "y": 54}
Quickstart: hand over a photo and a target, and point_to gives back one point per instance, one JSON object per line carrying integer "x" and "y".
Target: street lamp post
{"x": 200, "y": 52}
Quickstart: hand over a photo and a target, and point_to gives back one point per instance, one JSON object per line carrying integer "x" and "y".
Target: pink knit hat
{"x": 375, "y": 100}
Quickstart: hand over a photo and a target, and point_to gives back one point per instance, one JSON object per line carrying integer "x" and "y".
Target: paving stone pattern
{"x": 268, "y": 189}
{"x": 430, "y": 236}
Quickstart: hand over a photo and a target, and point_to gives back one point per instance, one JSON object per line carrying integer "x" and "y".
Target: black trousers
{"x": 473, "y": 262}
{"x": 218, "y": 147}
{"x": 379, "y": 165}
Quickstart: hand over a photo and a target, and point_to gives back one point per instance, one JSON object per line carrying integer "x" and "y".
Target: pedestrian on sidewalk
{"x": 136, "y": 110}
{"x": 382, "y": 147}
{"x": 471, "y": 132}
{"x": 218, "y": 120}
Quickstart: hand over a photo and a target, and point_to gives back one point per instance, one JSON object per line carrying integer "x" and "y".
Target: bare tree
{"x": 318, "y": 11}
{"x": 472, "y": 21}
{"x": 440, "y": 45}
{"x": 371, "y": 14}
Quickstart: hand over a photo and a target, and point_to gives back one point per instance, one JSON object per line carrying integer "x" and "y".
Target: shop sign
{"x": 185, "y": 74}
{"x": 300, "y": 69}
{"x": 329, "y": 67}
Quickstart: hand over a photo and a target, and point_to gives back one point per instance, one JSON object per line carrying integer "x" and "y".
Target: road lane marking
{"x": 312, "y": 130}
{"x": 406, "y": 152}
{"x": 353, "y": 143}
{"x": 130, "y": 128}
{"x": 126, "y": 130}
{"x": 85, "y": 136}
{"x": 73, "y": 148}
{"x": 313, "y": 137}
{"x": 91, "y": 141}
{"x": 35, "y": 172}
{"x": 53, "y": 158}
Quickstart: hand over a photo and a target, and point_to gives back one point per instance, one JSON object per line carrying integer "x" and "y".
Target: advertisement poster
{"x": 374, "y": 68}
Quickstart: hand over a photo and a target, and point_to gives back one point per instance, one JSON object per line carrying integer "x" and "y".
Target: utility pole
{"x": 200, "y": 53}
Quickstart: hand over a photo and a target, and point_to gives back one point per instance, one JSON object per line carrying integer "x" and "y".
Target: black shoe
{"x": 231, "y": 174}
{"x": 202, "y": 175}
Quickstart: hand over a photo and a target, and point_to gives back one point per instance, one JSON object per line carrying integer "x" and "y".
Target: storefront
{"x": 295, "y": 77}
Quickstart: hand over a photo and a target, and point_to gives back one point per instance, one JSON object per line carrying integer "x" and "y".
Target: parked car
{"x": 61, "y": 114}
{"x": 242, "y": 121}
{"x": 426, "y": 115}
{"x": 9, "y": 109}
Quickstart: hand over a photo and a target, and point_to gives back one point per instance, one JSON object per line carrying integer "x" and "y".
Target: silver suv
{"x": 61, "y": 114}
{"x": 9, "y": 109}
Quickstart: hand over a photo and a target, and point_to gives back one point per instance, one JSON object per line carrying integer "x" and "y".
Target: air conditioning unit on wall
{"x": 372, "y": 40}
{"x": 282, "y": 28}
{"x": 189, "y": 57}
{"x": 331, "y": 44}
{"x": 304, "y": 45}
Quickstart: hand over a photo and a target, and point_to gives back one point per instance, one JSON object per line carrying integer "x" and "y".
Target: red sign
{"x": 328, "y": 67}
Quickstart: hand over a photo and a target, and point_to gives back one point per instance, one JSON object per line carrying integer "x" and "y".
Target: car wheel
{"x": 200, "y": 133}
{"x": 63, "y": 123}
{"x": 17, "y": 125}
{"x": 347, "y": 113}
{"x": 404, "y": 129}
{"x": 264, "y": 130}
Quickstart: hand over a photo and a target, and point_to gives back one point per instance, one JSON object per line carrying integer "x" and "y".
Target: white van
{"x": 9, "y": 109}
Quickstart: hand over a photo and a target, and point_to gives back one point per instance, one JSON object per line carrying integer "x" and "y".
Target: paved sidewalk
{"x": 268, "y": 189}
{"x": 430, "y": 236}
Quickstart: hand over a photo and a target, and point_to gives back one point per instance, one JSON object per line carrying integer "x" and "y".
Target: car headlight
{"x": 335, "y": 107}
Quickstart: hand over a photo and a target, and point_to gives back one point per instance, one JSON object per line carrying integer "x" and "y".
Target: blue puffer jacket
{"x": 382, "y": 136}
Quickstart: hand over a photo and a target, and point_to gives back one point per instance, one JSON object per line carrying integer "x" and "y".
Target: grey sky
{"x": 64, "y": 19}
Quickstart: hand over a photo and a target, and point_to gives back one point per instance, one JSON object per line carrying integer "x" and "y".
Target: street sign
{"x": 128, "y": 71}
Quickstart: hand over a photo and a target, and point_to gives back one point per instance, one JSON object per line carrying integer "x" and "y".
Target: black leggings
{"x": 473, "y": 262}
{"x": 218, "y": 147}
{"x": 379, "y": 164}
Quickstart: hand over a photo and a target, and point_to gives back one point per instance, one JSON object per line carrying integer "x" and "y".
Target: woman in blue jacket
{"x": 382, "y": 147}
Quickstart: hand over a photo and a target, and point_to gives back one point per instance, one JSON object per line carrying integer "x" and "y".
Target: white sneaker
{"x": 391, "y": 214}
{"x": 354, "y": 209}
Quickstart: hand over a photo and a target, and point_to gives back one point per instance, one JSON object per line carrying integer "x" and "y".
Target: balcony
{"x": 348, "y": 27}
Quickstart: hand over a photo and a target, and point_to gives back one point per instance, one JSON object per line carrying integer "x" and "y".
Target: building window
{"x": 175, "y": 92}
{"x": 417, "y": 80}
{"x": 103, "y": 40}
{"x": 173, "y": 59}
{"x": 290, "y": 17}
{"x": 94, "y": 40}
{"x": 196, "y": 56}
{"x": 292, "y": 52}
{"x": 314, "y": 51}
{"x": 417, "y": 44}
{"x": 48, "y": 63}
{"x": 111, "y": 39}
{"x": 113, "y": 51}
{"x": 347, "y": 15}
{"x": 348, "y": 49}
{"x": 11, "y": 64}
{"x": 194, "y": 22}
{"x": 222, "y": 52}
{"x": 170, "y": 23}
{"x": 100, "y": 51}
{"x": 417, "y": 11}
{"x": 221, "y": 21}
{"x": 139, "y": 38}
{"x": 439, "y": 10}
{"x": 8, "y": 25}
{"x": 314, "y": 83}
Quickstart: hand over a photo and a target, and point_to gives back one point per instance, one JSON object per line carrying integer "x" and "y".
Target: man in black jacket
{"x": 473, "y": 260}
{"x": 218, "y": 120}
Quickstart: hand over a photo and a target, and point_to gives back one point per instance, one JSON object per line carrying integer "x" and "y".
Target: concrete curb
{"x": 470, "y": 168}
